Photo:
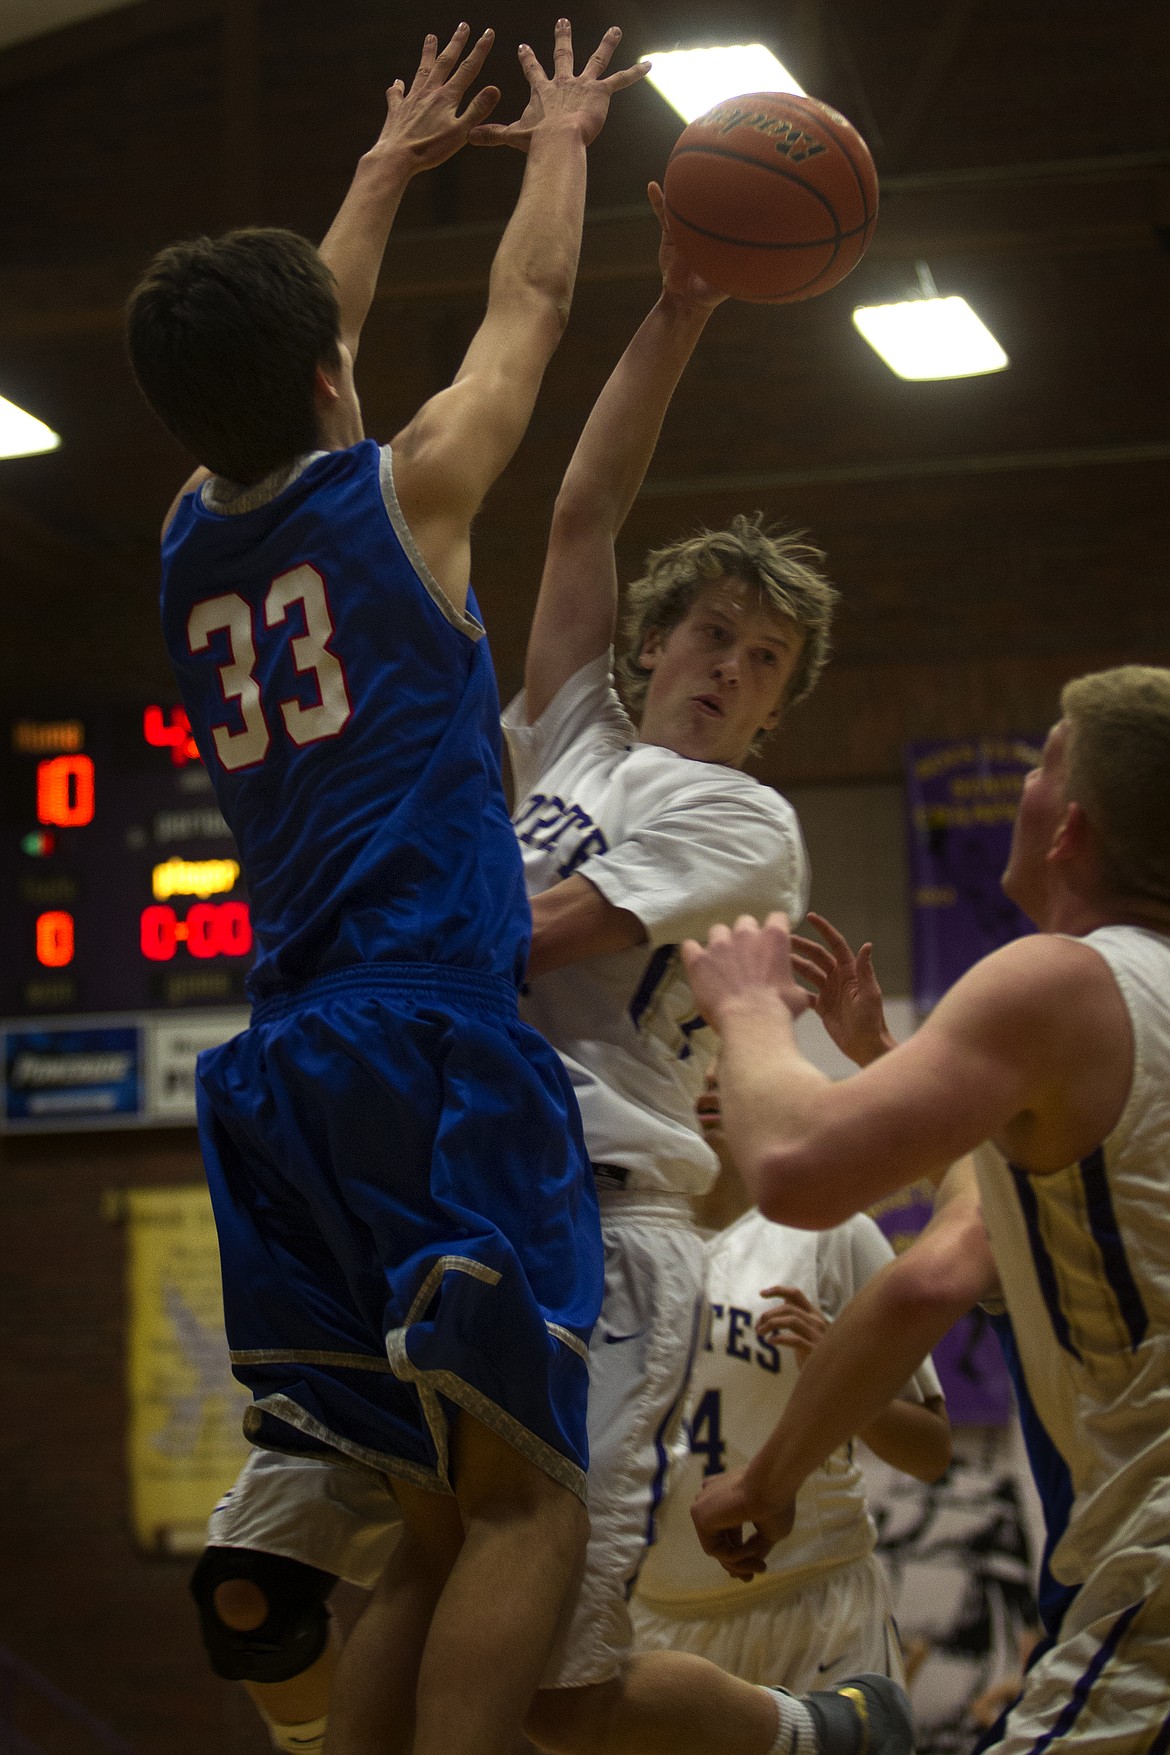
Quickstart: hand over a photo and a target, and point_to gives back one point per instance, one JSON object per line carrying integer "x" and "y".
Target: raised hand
{"x": 577, "y": 100}
{"x": 422, "y": 122}
{"x": 722, "y": 1513}
{"x": 794, "y": 1322}
{"x": 747, "y": 965}
{"x": 678, "y": 280}
{"x": 846, "y": 995}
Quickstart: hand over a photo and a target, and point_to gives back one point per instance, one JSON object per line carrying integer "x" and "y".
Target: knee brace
{"x": 292, "y": 1635}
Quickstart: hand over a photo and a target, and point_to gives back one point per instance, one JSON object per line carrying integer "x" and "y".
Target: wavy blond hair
{"x": 780, "y": 564}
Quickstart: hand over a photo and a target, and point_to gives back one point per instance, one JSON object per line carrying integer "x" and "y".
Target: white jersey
{"x": 1084, "y": 1259}
{"x": 739, "y": 1388}
{"x": 681, "y": 845}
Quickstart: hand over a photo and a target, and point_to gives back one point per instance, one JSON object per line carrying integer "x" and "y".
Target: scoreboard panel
{"x": 124, "y": 920}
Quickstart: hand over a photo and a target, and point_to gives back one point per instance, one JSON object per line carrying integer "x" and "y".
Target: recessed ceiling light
{"x": 931, "y": 338}
{"x": 692, "y": 80}
{"x": 23, "y": 435}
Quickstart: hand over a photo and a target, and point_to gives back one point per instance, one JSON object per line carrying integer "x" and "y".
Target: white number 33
{"x": 231, "y": 615}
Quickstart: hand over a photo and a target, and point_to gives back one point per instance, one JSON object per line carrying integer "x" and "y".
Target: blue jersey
{"x": 349, "y": 721}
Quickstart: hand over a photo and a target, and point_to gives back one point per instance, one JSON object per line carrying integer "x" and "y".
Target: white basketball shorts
{"x": 839, "y": 1624}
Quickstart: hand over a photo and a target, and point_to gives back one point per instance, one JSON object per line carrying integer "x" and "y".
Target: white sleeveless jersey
{"x": 739, "y": 1388}
{"x": 1084, "y": 1260}
{"x": 681, "y": 845}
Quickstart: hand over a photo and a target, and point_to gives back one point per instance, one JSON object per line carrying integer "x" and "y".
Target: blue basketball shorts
{"x": 407, "y": 1222}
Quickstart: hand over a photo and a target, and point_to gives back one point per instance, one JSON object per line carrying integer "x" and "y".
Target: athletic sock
{"x": 796, "y": 1730}
{"x": 303, "y": 1739}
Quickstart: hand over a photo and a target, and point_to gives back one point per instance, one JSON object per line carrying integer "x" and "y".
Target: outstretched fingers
{"x": 602, "y": 54}
{"x": 442, "y": 64}
{"x": 470, "y": 67}
{"x": 628, "y": 76}
{"x": 836, "y": 941}
{"x": 811, "y": 952}
{"x": 563, "y": 49}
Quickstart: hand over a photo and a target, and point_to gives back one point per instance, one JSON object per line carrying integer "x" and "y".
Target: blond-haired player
{"x": 1052, "y": 1058}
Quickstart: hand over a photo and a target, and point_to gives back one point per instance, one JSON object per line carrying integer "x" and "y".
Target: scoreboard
{"x": 125, "y": 937}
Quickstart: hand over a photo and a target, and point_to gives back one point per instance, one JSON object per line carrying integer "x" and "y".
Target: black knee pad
{"x": 292, "y": 1635}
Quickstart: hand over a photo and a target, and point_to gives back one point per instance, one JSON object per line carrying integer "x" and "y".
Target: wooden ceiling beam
{"x": 1085, "y": 206}
{"x": 45, "y": 56}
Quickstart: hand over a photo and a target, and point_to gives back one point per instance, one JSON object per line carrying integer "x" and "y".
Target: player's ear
{"x": 1074, "y": 836}
{"x": 650, "y": 649}
{"x": 325, "y": 388}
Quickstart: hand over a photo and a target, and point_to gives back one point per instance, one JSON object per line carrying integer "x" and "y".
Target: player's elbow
{"x": 791, "y": 1189}
{"x": 928, "y": 1291}
{"x": 937, "y": 1448}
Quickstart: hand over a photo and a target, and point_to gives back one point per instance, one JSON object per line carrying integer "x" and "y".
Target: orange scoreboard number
{"x": 54, "y": 939}
{"x": 65, "y": 792}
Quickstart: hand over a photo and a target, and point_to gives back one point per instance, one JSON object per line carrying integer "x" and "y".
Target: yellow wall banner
{"x": 185, "y": 1441}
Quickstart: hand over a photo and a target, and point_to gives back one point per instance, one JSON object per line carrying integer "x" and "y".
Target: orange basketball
{"x": 771, "y": 197}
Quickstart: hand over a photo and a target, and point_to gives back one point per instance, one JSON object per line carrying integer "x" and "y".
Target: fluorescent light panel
{"x": 931, "y": 338}
{"x": 23, "y": 435}
{"x": 692, "y": 80}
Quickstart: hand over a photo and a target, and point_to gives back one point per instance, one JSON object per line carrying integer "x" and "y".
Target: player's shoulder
{"x": 1039, "y": 969}
{"x": 1037, "y": 996}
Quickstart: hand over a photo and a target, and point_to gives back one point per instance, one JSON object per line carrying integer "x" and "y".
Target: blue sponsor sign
{"x": 71, "y": 1076}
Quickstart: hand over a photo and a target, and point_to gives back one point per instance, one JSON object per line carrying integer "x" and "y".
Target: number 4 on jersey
{"x": 231, "y": 615}
{"x": 705, "y": 1431}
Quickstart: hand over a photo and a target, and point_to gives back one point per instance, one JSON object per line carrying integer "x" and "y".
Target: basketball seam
{"x": 835, "y": 242}
{"x": 844, "y": 146}
{"x": 745, "y": 158}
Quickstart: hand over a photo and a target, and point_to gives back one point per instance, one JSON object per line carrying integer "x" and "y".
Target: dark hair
{"x": 224, "y": 336}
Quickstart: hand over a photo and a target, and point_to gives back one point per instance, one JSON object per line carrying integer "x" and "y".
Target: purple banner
{"x": 968, "y": 1359}
{"x": 961, "y": 799}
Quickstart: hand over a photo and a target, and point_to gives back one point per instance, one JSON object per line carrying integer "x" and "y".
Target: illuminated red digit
{"x": 234, "y": 929}
{"x": 157, "y": 934}
{"x": 54, "y": 939}
{"x": 65, "y": 791}
{"x": 203, "y": 930}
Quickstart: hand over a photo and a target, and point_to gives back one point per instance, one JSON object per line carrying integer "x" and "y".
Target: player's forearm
{"x": 535, "y": 266}
{"x": 355, "y": 243}
{"x": 860, "y": 1364}
{"x": 619, "y": 439}
{"x": 911, "y": 1437}
{"x": 772, "y": 1099}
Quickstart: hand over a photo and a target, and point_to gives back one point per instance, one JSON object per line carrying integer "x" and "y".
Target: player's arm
{"x": 453, "y": 450}
{"x": 421, "y": 130}
{"x": 1020, "y": 1027}
{"x": 572, "y": 921}
{"x": 576, "y": 609}
{"x": 861, "y": 1364}
{"x": 914, "y": 1436}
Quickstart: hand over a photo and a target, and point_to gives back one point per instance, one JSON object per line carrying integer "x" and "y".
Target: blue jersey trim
{"x": 1084, "y": 1682}
{"x": 1107, "y": 1236}
{"x": 651, "y": 979}
{"x": 1045, "y": 1271}
{"x": 1161, "y": 1742}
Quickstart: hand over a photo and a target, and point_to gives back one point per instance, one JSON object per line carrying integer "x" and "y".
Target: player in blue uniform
{"x": 409, "y": 1238}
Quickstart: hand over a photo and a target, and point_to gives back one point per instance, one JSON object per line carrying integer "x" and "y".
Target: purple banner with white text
{"x": 961, "y": 798}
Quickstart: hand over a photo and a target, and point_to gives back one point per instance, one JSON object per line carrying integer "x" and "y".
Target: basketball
{"x": 771, "y": 197}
